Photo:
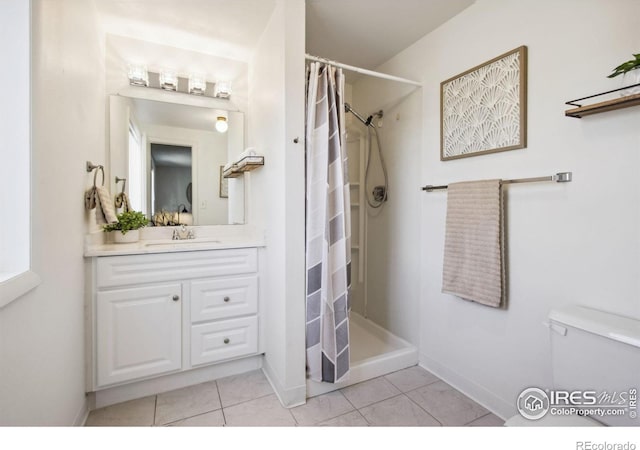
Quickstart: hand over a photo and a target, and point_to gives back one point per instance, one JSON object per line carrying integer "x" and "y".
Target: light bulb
{"x": 222, "y": 89}
{"x": 221, "y": 124}
{"x": 138, "y": 75}
{"x": 197, "y": 84}
{"x": 168, "y": 80}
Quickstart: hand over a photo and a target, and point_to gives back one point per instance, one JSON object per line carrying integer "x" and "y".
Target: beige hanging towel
{"x": 99, "y": 198}
{"x": 473, "y": 267}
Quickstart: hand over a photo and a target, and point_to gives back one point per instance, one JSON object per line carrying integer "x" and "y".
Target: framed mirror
{"x": 171, "y": 155}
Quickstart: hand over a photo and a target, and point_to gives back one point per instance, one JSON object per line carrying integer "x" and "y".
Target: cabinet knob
{"x": 226, "y": 299}
{"x": 226, "y": 340}
{"x": 176, "y": 298}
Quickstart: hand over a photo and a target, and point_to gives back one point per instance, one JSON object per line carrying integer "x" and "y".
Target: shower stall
{"x": 374, "y": 350}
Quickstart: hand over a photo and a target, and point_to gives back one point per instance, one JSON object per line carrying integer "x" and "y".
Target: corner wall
{"x": 42, "y": 333}
{"x": 573, "y": 243}
{"x": 276, "y": 117}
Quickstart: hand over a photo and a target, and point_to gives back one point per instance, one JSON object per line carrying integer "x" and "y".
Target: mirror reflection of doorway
{"x": 170, "y": 177}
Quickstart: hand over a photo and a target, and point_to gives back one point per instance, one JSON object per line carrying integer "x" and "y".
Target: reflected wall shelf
{"x": 246, "y": 164}
{"x": 609, "y": 105}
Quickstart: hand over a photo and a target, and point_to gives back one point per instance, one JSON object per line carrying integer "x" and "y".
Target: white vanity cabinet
{"x": 155, "y": 314}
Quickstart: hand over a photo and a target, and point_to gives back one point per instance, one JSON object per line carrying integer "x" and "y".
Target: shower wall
{"x": 355, "y": 160}
{"x": 393, "y": 241}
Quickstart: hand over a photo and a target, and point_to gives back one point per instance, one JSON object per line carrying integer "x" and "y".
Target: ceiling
{"x": 363, "y": 33}
{"x": 231, "y": 27}
{"x": 366, "y": 33}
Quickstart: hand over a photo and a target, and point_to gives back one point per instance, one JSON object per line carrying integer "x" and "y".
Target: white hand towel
{"x": 473, "y": 266}
{"x": 250, "y": 151}
{"x": 105, "y": 212}
{"x": 122, "y": 201}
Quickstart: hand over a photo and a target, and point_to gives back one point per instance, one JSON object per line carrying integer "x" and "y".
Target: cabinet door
{"x": 138, "y": 332}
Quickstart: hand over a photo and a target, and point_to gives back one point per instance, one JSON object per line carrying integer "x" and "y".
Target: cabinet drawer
{"x": 223, "y": 298}
{"x": 216, "y": 341}
{"x": 138, "y": 269}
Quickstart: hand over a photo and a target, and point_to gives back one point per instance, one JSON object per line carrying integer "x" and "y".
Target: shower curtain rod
{"x": 361, "y": 70}
{"x": 560, "y": 177}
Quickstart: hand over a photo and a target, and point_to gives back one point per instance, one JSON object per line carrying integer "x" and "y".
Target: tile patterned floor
{"x": 409, "y": 397}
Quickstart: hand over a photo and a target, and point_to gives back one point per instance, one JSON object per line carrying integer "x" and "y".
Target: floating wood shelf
{"x": 231, "y": 173}
{"x": 244, "y": 165}
{"x": 600, "y": 107}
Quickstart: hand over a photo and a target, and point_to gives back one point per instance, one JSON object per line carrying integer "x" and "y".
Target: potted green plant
{"x": 630, "y": 71}
{"x": 127, "y": 228}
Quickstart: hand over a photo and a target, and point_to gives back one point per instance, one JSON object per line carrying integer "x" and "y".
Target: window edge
{"x": 17, "y": 286}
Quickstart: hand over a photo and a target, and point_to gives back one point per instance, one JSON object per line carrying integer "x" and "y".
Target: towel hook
{"x": 124, "y": 184}
{"x": 91, "y": 167}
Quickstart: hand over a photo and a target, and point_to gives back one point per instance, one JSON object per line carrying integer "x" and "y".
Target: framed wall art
{"x": 484, "y": 110}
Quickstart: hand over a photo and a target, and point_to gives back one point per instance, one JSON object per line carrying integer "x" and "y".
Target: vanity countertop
{"x": 152, "y": 242}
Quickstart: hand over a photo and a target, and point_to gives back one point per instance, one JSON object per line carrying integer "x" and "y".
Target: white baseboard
{"x": 139, "y": 389}
{"x": 289, "y": 398}
{"x": 81, "y": 416}
{"x": 470, "y": 388}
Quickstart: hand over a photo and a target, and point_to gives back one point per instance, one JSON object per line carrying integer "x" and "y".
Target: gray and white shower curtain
{"x": 328, "y": 229}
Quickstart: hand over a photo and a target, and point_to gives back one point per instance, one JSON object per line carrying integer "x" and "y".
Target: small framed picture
{"x": 224, "y": 184}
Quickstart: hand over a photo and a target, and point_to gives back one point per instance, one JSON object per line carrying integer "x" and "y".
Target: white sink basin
{"x": 182, "y": 242}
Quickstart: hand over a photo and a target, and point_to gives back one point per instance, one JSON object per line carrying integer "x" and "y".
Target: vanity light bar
{"x": 168, "y": 80}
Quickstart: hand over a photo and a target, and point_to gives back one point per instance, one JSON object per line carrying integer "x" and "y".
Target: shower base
{"x": 374, "y": 352}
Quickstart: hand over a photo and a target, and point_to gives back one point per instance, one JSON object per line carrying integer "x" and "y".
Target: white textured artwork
{"x": 483, "y": 110}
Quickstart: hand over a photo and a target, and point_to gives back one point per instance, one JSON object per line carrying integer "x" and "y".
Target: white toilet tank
{"x": 596, "y": 356}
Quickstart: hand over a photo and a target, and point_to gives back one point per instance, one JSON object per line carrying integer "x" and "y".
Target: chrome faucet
{"x": 182, "y": 233}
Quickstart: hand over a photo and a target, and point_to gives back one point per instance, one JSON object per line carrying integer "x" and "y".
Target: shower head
{"x": 367, "y": 121}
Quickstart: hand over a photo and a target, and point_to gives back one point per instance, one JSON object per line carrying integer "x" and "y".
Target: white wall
{"x": 567, "y": 243}
{"x": 42, "y": 333}
{"x": 276, "y": 117}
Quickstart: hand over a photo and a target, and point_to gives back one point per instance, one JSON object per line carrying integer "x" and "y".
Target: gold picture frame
{"x": 484, "y": 110}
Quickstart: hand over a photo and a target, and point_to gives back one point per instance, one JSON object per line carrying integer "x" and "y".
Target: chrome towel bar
{"x": 560, "y": 177}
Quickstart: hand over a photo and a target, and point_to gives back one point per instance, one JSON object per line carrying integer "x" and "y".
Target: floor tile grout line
{"x": 224, "y": 417}
{"x": 339, "y": 415}
{"x": 155, "y": 410}
{"x": 295, "y": 421}
{"x": 333, "y": 417}
{"x": 191, "y": 417}
{"x": 365, "y": 381}
{"x": 346, "y": 398}
{"x": 464, "y": 395}
{"x": 247, "y": 401}
{"x": 395, "y": 396}
{"x": 413, "y": 389}
{"x": 419, "y": 406}
{"x": 478, "y": 418}
{"x": 364, "y": 418}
